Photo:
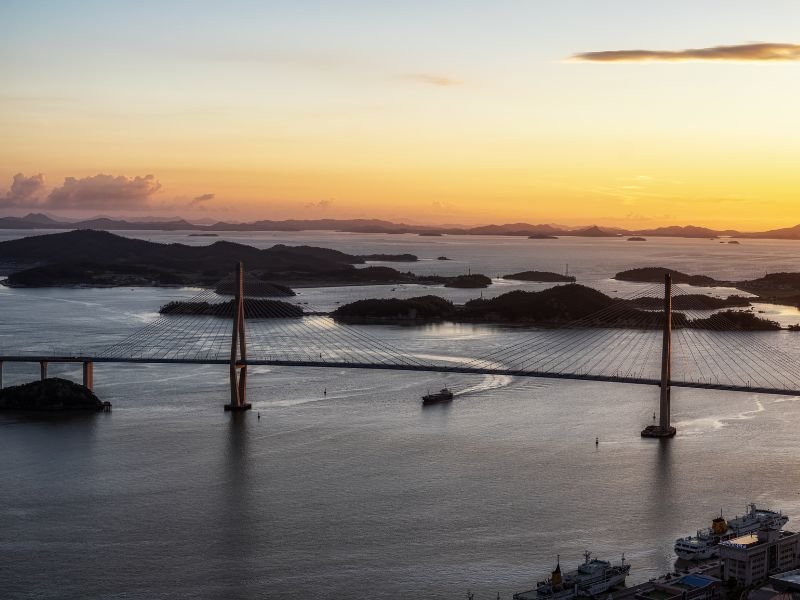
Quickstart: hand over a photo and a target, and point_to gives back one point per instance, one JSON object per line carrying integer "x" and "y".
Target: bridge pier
{"x": 1, "y": 374}
{"x": 238, "y": 370}
{"x": 664, "y": 429}
{"x": 43, "y": 369}
{"x": 88, "y": 374}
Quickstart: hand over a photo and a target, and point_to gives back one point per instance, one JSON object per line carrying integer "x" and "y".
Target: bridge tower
{"x": 664, "y": 429}
{"x": 238, "y": 366}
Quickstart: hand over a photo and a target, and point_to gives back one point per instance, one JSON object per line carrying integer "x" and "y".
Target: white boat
{"x": 704, "y": 544}
{"x": 589, "y": 579}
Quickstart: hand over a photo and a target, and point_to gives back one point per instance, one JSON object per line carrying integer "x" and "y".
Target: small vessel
{"x": 591, "y": 578}
{"x": 443, "y": 395}
{"x": 704, "y": 544}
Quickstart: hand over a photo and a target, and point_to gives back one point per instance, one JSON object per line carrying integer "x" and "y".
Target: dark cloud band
{"x": 742, "y": 52}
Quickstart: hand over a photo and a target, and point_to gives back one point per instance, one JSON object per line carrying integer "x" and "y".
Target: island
{"x": 254, "y": 286}
{"x": 691, "y": 302}
{"x": 541, "y": 236}
{"x": 566, "y": 304}
{"x": 430, "y": 234}
{"x": 52, "y": 394}
{"x": 394, "y": 310}
{"x": 254, "y": 308}
{"x": 442, "y": 258}
{"x": 736, "y": 320}
{"x": 540, "y": 276}
{"x": 733, "y": 242}
{"x": 656, "y": 275}
{"x": 389, "y": 257}
{"x": 637, "y": 239}
{"x": 469, "y": 281}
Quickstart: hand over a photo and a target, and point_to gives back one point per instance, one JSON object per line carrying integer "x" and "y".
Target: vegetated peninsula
{"x": 782, "y": 288}
{"x": 103, "y": 259}
{"x": 553, "y": 307}
{"x": 540, "y": 276}
{"x": 52, "y": 394}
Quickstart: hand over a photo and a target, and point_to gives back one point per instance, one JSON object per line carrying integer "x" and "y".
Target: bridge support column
{"x": 1, "y": 374}
{"x": 664, "y": 428}
{"x": 238, "y": 365}
{"x": 43, "y": 369}
{"x": 88, "y": 374}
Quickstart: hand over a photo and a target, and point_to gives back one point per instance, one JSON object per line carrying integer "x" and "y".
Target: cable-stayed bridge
{"x": 662, "y": 335}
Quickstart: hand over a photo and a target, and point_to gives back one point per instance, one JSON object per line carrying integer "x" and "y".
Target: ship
{"x": 704, "y": 544}
{"x": 591, "y": 578}
{"x": 443, "y": 395}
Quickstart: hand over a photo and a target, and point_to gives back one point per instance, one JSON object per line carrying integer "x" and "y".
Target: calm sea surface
{"x": 361, "y": 493}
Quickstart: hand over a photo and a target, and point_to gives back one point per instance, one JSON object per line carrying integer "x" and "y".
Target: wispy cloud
{"x": 321, "y": 205}
{"x": 433, "y": 79}
{"x": 742, "y": 52}
{"x": 198, "y": 200}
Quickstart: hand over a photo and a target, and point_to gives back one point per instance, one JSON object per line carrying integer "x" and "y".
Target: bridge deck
{"x": 401, "y": 367}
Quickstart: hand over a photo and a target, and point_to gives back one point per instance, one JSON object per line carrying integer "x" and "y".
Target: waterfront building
{"x": 694, "y": 586}
{"x": 753, "y": 557}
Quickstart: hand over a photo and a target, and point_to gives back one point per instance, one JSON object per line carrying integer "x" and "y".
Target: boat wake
{"x": 490, "y": 382}
{"x": 704, "y": 424}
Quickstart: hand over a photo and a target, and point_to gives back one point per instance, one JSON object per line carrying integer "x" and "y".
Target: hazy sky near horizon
{"x": 447, "y": 111}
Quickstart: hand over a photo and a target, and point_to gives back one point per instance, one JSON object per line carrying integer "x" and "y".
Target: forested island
{"x": 468, "y": 281}
{"x": 52, "y": 394}
{"x": 540, "y": 276}
{"x": 656, "y": 275}
{"x": 254, "y": 308}
{"x": 567, "y": 304}
{"x": 389, "y": 257}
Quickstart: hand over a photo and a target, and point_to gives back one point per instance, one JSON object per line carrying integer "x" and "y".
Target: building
{"x": 753, "y": 557}
{"x": 693, "y": 586}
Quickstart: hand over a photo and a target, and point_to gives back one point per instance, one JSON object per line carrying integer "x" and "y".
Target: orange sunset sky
{"x": 620, "y": 113}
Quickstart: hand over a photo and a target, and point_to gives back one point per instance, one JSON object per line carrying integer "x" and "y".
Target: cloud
{"x": 104, "y": 191}
{"x": 24, "y": 191}
{"x": 197, "y": 200}
{"x": 433, "y": 79}
{"x": 741, "y": 52}
{"x": 322, "y": 204}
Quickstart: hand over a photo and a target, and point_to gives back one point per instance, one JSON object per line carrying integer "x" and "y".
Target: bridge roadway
{"x": 396, "y": 367}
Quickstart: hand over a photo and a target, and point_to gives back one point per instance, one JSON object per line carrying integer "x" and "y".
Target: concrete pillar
{"x": 666, "y": 357}
{"x": 238, "y": 371}
{"x": 1, "y": 374}
{"x": 664, "y": 428}
{"x": 88, "y": 374}
{"x": 43, "y": 369}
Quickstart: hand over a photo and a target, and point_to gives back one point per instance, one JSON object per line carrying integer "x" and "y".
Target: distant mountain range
{"x": 41, "y": 221}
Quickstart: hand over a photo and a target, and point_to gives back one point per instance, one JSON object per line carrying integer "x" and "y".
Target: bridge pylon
{"x": 238, "y": 367}
{"x": 664, "y": 429}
